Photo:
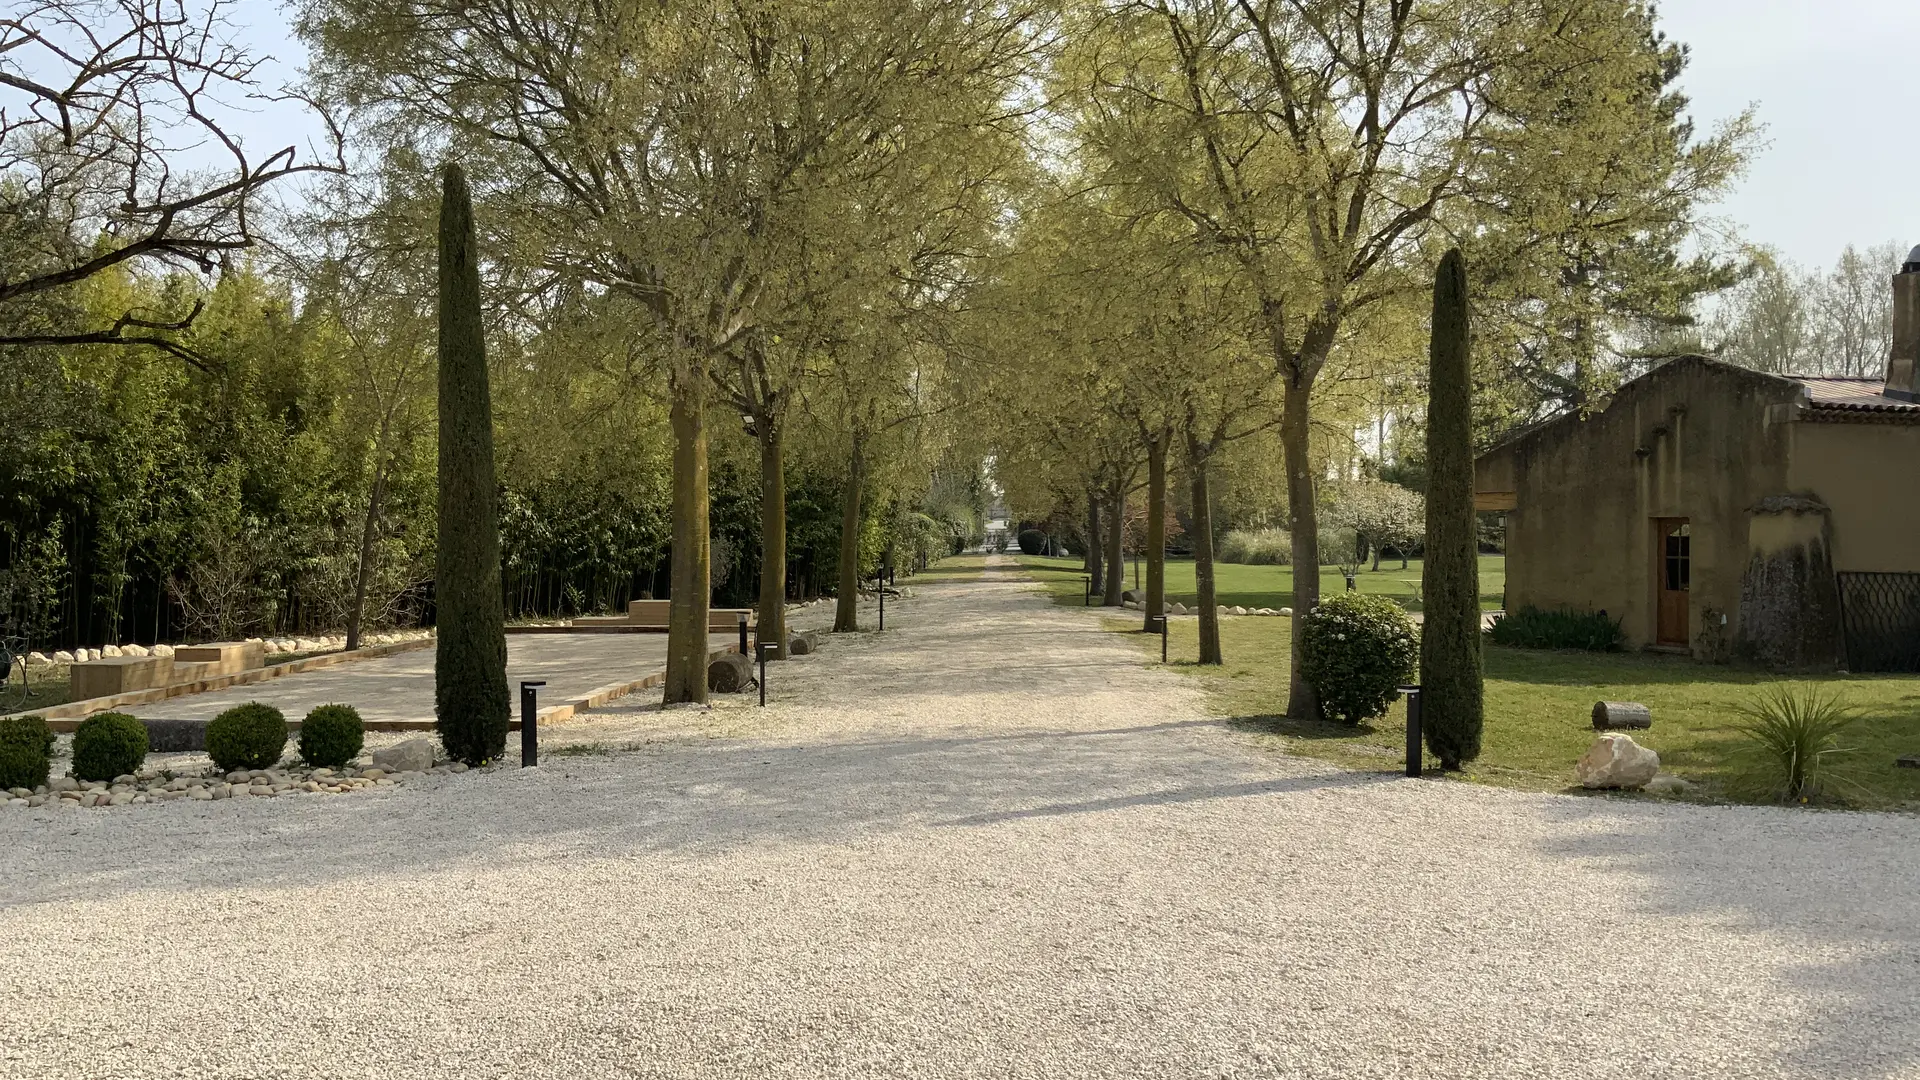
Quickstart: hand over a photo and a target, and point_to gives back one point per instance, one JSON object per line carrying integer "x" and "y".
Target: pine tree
{"x": 470, "y": 663}
{"x": 1450, "y": 674}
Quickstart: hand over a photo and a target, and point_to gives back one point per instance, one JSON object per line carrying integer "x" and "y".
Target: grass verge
{"x": 1267, "y": 586}
{"x": 1539, "y": 708}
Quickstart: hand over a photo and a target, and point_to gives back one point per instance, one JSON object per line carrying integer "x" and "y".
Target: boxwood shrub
{"x": 250, "y": 736}
{"x": 26, "y": 751}
{"x": 108, "y": 744}
{"x": 331, "y": 736}
{"x": 1532, "y": 628}
{"x": 1032, "y": 542}
{"x": 1357, "y": 650}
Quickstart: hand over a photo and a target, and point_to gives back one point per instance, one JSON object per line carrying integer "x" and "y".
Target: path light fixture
{"x": 1161, "y": 620}
{"x": 1414, "y": 755}
{"x": 530, "y": 722}
{"x": 743, "y": 634}
{"x": 880, "y": 586}
{"x": 1086, "y": 589}
{"x": 760, "y": 652}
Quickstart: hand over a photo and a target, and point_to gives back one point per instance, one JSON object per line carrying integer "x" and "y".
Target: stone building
{"x": 1728, "y": 513}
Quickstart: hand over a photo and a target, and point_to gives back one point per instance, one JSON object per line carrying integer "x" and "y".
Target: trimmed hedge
{"x": 26, "y": 752}
{"x": 1032, "y": 542}
{"x": 250, "y": 736}
{"x": 1532, "y": 628}
{"x": 331, "y": 736}
{"x": 108, "y": 744}
{"x": 1357, "y": 651}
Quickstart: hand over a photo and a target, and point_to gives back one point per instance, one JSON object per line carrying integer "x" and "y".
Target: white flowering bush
{"x": 1357, "y": 650}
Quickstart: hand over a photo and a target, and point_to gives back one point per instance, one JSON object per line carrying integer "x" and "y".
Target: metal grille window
{"x": 1880, "y": 618}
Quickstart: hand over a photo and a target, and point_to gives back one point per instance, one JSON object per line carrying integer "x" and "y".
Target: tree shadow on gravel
{"x": 1846, "y": 883}
{"x": 684, "y": 795}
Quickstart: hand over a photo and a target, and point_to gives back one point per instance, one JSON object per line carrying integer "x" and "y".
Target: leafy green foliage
{"x": 26, "y": 745}
{"x": 1795, "y": 731}
{"x": 1534, "y": 628}
{"x": 331, "y": 736}
{"x": 1451, "y": 693}
{"x": 108, "y": 744}
{"x": 250, "y": 736}
{"x": 470, "y": 661}
{"x": 1357, "y": 651}
{"x": 1032, "y": 542}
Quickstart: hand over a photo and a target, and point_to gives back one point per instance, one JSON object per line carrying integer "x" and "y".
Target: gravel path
{"x": 988, "y": 843}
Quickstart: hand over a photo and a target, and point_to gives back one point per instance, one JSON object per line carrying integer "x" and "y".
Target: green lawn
{"x": 951, "y": 568}
{"x": 1268, "y": 586}
{"x": 1539, "y": 707}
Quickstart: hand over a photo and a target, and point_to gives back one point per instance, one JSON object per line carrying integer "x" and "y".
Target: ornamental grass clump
{"x": 1357, "y": 650}
{"x": 26, "y": 752}
{"x": 1257, "y": 547}
{"x": 107, "y": 745}
{"x": 250, "y": 736}
{"x": 1794, "y": 732}
{"x": 331, "y": 736}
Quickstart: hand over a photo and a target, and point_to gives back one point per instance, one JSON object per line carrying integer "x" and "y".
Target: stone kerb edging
{"x": 564, "y": 711}
{"x": 65, "y": 718}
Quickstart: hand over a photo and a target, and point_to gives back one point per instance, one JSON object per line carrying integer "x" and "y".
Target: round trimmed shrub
{"x": 108, "y": 744}
{"x": 26, "y": 750}
{"x": 331, "y": 736}
{"x": 1357, "y": 650}
{"x": 1032, "y": 542}
{"x": 250, "y": 736}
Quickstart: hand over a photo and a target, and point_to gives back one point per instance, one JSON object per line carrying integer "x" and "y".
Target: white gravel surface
{"x": 989, "y": 843}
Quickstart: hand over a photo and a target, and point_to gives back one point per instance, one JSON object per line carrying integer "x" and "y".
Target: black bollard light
{"x": 1162, "y": 620}
{"x": 1414, "y": 752}
{"x": 1086, "y": 593}
{"x": 760, "y": 649}
{"x": 743, "y": 636}
{"x": 880, "y": 584}
{"x": 530, "y": 722}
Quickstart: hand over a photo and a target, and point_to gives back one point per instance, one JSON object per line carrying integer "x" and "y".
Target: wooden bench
{"x": 111, "y": 675}
{"x": 652, "y": 615}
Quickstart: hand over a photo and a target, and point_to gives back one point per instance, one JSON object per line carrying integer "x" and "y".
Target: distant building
{"x": 1728, "y": 513}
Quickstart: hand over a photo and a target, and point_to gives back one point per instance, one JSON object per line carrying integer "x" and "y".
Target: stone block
{"x": 1616, "y": 761}
{"x": 118, "y": 675}
{"x": 221, "y": 657}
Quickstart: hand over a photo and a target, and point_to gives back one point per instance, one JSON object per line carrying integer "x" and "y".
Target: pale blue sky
{"x": 1834, "y": 81}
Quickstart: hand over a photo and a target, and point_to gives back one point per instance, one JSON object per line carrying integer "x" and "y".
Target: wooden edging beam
{"x": 559, "y": 713}
{"x": 67, "y": 716}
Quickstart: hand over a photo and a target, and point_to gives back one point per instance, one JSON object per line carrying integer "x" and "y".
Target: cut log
{"x": 729, "y": 674}
{"x": 802, "y": 643}
{"x": 1621, "y": 715}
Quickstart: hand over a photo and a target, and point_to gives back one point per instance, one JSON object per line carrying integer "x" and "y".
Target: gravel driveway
{"x": 988, "y": 843}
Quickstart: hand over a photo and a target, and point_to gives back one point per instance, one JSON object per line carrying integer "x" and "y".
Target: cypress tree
{"x": 470, "y": 660}
{"x": 1450, "y": 672}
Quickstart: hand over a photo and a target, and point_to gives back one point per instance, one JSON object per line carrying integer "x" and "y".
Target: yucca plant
{"x": 1795, "y": 730}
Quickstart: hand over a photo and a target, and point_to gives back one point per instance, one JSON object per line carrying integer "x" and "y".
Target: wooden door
{"x": 1673, "y": 575}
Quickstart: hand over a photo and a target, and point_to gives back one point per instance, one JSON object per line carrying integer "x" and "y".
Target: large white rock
{"x": 63, "y": 657}
{"x": 1179, "y": 608}
{"x": 133, "y": 650}
{"x": 1239, "y": 609}
{"x": 163, "y": 650}
{"x": 414, "y": 755}
{"x": 111, "y": 650}
{"x": 1616, "y": 761}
